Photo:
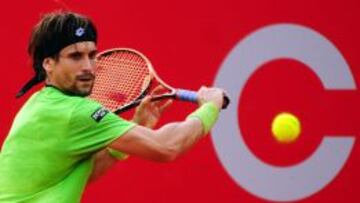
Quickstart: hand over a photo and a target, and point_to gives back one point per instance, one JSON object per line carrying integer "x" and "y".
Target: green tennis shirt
{"x": 47, "y": 156}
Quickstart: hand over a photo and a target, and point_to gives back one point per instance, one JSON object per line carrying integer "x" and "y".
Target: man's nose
{"x": 88, "y": 64}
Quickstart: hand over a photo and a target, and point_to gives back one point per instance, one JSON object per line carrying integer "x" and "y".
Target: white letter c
{"x": 257, "y": 177}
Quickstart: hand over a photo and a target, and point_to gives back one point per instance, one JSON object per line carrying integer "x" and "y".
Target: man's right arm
{"x": 164, "y": 144}
{"x": 171, "y": 140}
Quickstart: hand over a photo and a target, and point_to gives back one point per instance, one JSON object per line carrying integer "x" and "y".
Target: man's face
{"x": 74, "y": 71}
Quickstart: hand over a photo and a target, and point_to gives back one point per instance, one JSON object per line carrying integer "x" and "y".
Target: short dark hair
{"x": 54, "y": 32}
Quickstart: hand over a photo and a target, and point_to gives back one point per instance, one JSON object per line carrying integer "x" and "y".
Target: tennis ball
{"x": 286, "y": 127}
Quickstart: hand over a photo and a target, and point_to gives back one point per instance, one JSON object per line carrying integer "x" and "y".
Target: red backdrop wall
{"x": 187, "y": 41}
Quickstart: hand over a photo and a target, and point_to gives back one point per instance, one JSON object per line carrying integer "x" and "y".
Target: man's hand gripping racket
{"x": 125, "y": 76}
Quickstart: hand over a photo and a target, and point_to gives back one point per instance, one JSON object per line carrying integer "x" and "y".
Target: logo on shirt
{"x": 99, "y": 114}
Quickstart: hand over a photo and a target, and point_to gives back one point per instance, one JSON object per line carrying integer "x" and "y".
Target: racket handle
{"x": 191, "y": 96}
{"x": 187, "y": 95}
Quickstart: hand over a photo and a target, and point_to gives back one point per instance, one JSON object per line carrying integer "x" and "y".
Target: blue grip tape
{"x": 187, "y": 95}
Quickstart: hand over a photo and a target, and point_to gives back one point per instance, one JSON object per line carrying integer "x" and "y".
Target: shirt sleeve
{"x": 92, "y": 127}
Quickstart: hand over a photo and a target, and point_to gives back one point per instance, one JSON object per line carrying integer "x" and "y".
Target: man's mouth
{"x": 85, "y": 78}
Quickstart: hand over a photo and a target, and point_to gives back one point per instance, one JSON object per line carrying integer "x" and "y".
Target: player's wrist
{"x": 208, "y": 114}
{"x": 217, "y": 103}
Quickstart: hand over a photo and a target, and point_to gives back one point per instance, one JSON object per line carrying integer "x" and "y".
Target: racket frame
{"x": 146, "y": 84}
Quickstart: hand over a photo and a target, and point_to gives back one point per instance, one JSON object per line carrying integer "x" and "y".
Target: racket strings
{"x": 121, "y": 77}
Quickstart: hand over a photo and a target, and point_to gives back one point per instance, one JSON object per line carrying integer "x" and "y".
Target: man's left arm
{"x": 103, "y": 161}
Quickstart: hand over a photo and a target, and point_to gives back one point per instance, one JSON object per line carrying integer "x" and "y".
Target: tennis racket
{"x": 125, "y": 76}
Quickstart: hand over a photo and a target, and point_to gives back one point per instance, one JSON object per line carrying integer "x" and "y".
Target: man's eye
{"x": 75, "y": 56}
{"x": 92, "y": 56}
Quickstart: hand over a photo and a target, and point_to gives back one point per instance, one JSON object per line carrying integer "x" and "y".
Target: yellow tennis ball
{"x": 286, "y": 127}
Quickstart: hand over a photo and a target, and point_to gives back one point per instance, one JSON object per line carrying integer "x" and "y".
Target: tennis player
{"x": 60, "y": 140}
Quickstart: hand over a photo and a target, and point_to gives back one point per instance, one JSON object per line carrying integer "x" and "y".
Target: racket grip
{"x": 191, "y": 96}
{"x": 187, "y": 95}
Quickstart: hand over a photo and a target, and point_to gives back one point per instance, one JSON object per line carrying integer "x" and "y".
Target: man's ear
{"x": 48, "y": 64}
